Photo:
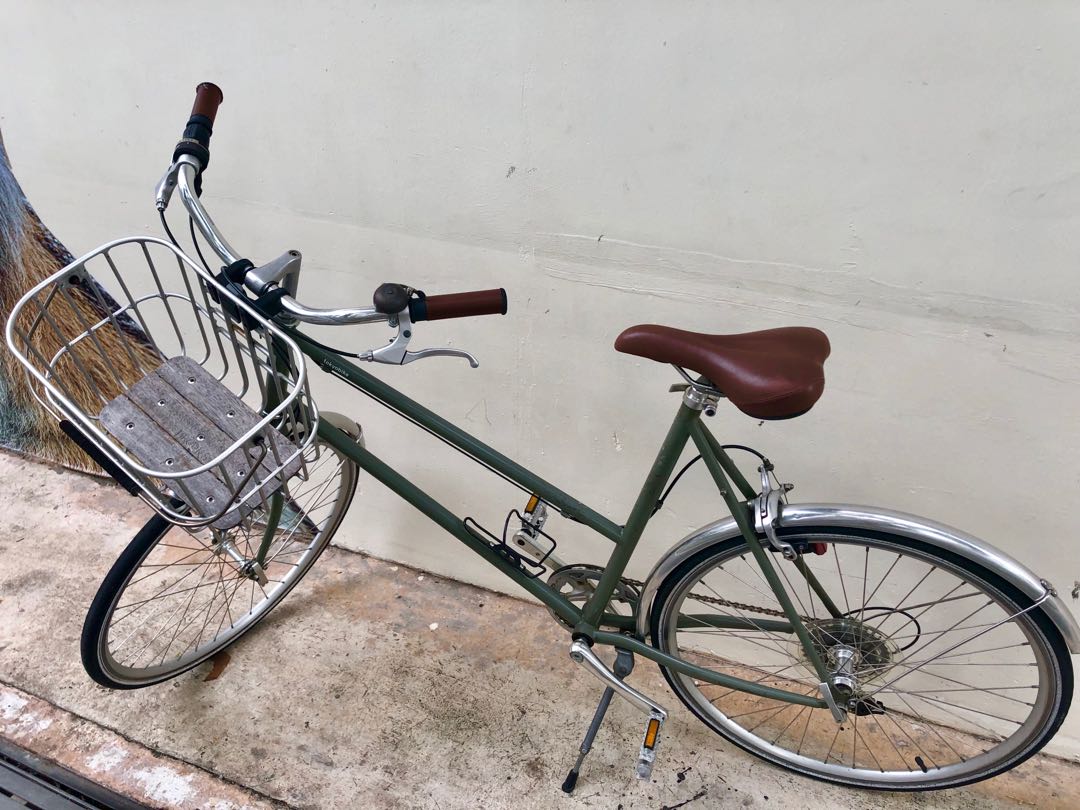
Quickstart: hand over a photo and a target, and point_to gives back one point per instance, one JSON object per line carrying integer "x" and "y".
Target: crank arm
{"x": 582, "y": 653}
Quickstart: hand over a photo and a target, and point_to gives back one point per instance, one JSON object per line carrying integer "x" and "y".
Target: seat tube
{"x": 662, "y": 467}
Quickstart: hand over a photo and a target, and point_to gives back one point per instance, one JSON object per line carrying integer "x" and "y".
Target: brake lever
{"x": 395, "y": 352}
{"x": 422, "y": 353}
{"x": 166, "y": 186}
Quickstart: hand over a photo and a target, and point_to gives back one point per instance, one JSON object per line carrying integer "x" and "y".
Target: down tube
{"x": 445, "y": 518}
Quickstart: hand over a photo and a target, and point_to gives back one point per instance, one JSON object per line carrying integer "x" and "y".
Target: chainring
{"x": 576, "y": 583}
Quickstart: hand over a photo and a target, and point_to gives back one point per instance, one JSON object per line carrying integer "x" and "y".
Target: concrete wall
{"x": 906, "y": 178}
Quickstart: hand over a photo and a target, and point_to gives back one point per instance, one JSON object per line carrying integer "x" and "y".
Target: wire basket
{"x": 200, "y": 400}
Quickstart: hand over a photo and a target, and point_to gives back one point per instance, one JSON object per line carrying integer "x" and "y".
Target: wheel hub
{"x": 854, "y": 651}
{"x": 247, "y": 567}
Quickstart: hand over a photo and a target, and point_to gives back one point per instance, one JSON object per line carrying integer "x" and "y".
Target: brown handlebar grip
{"x": 459, "y": 305}
{"x": 208, "y": 98}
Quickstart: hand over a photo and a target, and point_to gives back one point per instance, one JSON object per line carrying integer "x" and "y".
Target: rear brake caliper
{"x": 767, "y": 510}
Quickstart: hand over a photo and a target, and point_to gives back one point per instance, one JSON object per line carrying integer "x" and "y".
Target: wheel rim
{"x": 926, "y": 735}
{"x": 184, "y": 601}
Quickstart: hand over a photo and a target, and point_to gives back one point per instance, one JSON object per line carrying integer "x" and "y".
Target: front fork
{"x": 254, "y": 568}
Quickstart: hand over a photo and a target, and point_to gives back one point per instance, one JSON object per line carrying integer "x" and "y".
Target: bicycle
{"x": 780, "y": 627}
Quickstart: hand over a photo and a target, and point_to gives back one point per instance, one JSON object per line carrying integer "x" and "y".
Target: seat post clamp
{"x": 699, "y": 399}
{"x": 699, "y": 394}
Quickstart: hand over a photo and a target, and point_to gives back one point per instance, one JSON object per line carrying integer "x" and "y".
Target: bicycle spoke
{"x": 884, "y": 577}
{"x": 959, "y": 644}
{"x": 840, "y": 576}
{"x": 832, "y": 745}
{"x": 758, "y": 680}
{"x": 866, "y": 564}
{"x": 161, "y": 609}
{"x": 173, "y": 639}
{"x": 164, "y": 628}
{"x": 948, "y": 708}
{"x": 743, "y": 615}
{"x": 163, "y": 590}
{"x": 186, "y": 598}
{"x": 929, "y": 725}
{"x": 794, "y": 591}
{"x": 791, "y": 722}
{"x": 892, "y": 742}
{"x": 932, "y": 724}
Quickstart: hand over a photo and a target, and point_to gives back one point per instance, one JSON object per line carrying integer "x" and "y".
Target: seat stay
{"x": 740, "y": 511}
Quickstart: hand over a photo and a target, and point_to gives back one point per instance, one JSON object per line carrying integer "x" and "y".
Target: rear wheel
{"x": 174, "y": 598}
{"x": 955, "y": 676}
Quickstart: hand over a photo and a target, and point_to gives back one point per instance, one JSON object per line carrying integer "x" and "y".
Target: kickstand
{"x": 624, "y": 665}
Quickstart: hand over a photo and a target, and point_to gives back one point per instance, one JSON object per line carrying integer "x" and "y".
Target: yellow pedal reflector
{"x": 534, "y": 501}
{"x": 651, "y": 731}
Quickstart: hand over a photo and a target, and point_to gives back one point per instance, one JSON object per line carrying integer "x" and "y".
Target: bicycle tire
{"x": 97, "y": 655}
{"x": 1038, "y": 627}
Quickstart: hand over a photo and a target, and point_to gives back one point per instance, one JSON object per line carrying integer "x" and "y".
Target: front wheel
{"x": 955, "y": 675}
{"x": 176, "y": 597}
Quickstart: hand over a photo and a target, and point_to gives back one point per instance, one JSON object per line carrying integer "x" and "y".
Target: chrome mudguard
{"x": 346, "y": 425}
{"x": 794, "y": 516}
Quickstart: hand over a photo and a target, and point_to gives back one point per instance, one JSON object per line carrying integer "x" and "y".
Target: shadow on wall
{"x": 30, "y": 253}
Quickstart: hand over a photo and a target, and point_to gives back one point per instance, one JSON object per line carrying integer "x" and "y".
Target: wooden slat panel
{"x": 216, "y": 402}
{"x": 156, "y": 449}
{"x": 209, "y": 396}
{"x": 181, "y": 412}
{"x": 191, "y": 429}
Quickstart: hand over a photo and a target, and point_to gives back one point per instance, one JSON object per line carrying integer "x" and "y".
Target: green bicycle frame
{"x": 589, "y": 620}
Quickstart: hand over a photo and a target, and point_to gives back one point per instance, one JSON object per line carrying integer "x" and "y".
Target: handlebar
{"x": 190, "y": 159}
{"x": 458, "y": 305}
{"x": 200, "y": 126}
{"x": 208, "y": 98}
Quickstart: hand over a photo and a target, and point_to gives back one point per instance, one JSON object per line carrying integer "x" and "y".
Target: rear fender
{"x": 795, "y": 516}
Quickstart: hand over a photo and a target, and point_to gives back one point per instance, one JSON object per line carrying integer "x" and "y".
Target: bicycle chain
{"x": 720, "y": 601}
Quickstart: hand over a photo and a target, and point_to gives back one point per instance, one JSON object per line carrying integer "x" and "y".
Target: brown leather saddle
{"x": 772, "y": 374}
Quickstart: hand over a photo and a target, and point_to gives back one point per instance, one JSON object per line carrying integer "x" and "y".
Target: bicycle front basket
{"x": 200, "y": 400}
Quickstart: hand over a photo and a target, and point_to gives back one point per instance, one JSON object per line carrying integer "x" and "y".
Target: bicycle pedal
{"x": 648, "y": 745}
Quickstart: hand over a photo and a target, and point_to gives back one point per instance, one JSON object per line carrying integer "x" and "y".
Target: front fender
{"x": 346, "y": 425}
{"x": 794, "y": 516}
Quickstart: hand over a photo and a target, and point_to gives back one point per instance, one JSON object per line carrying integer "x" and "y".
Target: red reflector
{"x": 819, "y": 548}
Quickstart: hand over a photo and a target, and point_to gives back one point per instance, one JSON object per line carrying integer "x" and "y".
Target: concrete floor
{"x": 349, "y": 695}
